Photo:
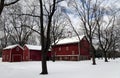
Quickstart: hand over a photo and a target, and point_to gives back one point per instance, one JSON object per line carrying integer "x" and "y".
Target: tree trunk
{"x": 53, "y": 57}
{"x": 93, "y": 58}
{"x": 1, "y": 6}
{"x": 114, "y": 55}
{"x": 92, "y": 50}
{"x": 105, "y": 56}
{"x": 44, "y": 62}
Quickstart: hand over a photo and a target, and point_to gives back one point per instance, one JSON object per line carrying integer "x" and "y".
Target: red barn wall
{"x": 12, "y": 55}
{"x": 66, "y": 51}
{"x": 17, "y": 54}
{"x": 71, "y": 51}
{"x": 26, "y": 54}
{"x": 84, "y": 49}
{"x": 35, "y": 55}
{"x": 49, "y": 55}
{"x": 6, "y": 55}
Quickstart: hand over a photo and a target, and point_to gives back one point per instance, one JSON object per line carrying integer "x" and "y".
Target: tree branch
{"x": 7, "y": 4}
{"x": 31, "y": 28}
{"x": 25, "y": 14}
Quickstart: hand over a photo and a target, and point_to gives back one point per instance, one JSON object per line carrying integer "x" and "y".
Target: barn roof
{"x": 33, "y": 47}
{"x": 70, "y": 40}
{"x": 12, "y": 46}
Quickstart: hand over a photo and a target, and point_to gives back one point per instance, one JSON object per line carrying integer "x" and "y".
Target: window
{"x": 66, "y": 58}
{"x": 60, "y": 58}
{"x": 73, "y": 52}
{"x": 59, "y": 48}
{"x": 72, "y": 58}
{"x": 84, "y": 38}
{"x": 67, "y": 48}
{"x": 17, "y": 49}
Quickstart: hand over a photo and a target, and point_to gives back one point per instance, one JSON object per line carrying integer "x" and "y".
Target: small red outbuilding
{"x": 73, "y": 49}
{"x": 13, "y": 53}
{"x": 33, "y": 53}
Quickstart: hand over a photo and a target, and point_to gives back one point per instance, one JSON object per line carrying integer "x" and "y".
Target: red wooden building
{"x": 73, "y": 49}
{"x": 33, "y": 53}
{"x": 12, "y": 53}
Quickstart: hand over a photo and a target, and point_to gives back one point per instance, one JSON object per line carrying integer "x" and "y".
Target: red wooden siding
{"x": 33, "y": 55}
{"x": 66, "y": 52}
{"x": 17, "y": 54}
{"x": 26, "y": 54}
{"x": 72, "y": 51}
{"x": 12, "y": 55}
{"x": 6, "y": 55}
{"x": 66, "y": 49}
{"x": 16, "y": 57}
{"x": 49, "y": 55}
{"x": 84, "y": 49}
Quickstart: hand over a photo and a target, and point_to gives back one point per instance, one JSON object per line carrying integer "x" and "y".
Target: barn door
{"x": 16, "y": 57}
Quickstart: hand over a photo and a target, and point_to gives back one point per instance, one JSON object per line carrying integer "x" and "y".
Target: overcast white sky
{"x": 106, "y": 3}
{"x": 75, "y": 19}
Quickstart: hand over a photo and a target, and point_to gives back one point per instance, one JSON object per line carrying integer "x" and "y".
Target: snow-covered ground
{"x": 61, "y": 69}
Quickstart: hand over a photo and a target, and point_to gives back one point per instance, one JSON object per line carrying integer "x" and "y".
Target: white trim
{"x": 23, "y": 55}
{"x": 79, "y": 50}
{"x": 10, "y": 55}
{"x": 67, "y": 55}
{"x": 28, "y": 54}
{"x": 13, "y": 46}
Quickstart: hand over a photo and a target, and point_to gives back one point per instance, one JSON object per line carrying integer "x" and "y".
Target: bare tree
{"x": 105, "y": 30}
{"x": 105, "y": 41}
{"x": 116, "y": 35}
{"x": 4, "y": 36}
{"x": 3, "y": 4}
{"x": 47, "y": 8}
{"x": 86, "y": 10}
{"x": 45, "y": 35}
{"x": 34, "y": 39}
{"x": 16, "y": 30}
{"x": 58, "y": 28}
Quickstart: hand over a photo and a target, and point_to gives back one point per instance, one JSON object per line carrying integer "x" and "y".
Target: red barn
{"x": 73, "y": 49}
{"x": 12, "y": 53}
{"x": 33, "y": 53}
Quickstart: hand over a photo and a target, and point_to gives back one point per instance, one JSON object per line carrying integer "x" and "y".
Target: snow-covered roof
{"x": 70, "y": 40}
{"x": 33, "y": 47}
{"x": 12, "y": 46}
